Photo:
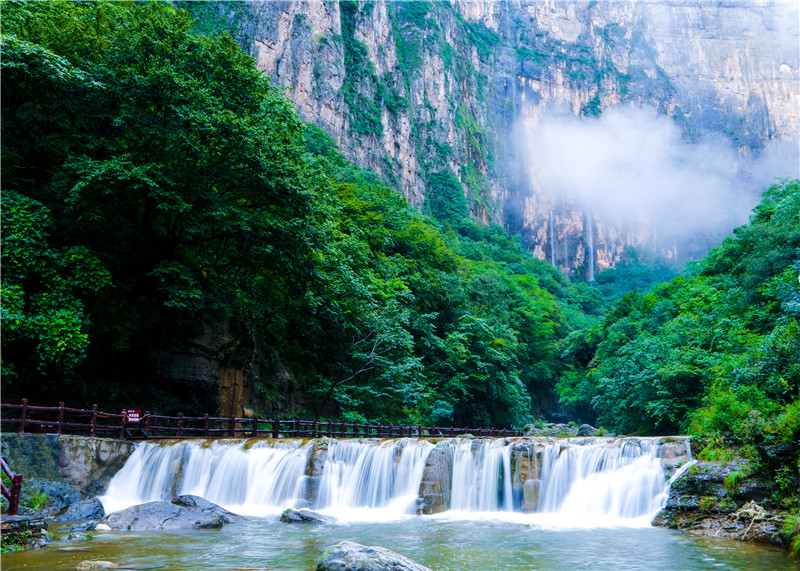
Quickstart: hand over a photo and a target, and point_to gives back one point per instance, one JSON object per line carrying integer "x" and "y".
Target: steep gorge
{"x": 422, "y": 92}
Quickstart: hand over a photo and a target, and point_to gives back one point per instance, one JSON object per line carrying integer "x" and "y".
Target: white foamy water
{"x": 372, "y": 480}
{"x": 482, "y": 480}
{"x": 360, "y": 480}
{"x": 579, "y": 483}
{"x": 250, "y": 478}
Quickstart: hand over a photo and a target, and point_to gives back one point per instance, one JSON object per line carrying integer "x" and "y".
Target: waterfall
{"x": 617, "y": 480}
{"x": 263, "y": 478}
{"x": 364, "y": 475}
{"x": 553, "y": 253}
{"x": 590, "y": 245}
{"x": 482, "y": 478}
{"x": 575, "y": 482}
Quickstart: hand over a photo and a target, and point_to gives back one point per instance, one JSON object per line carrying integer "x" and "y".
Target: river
{"x": 443, "y": 544}
{"x": 503, "y": 504}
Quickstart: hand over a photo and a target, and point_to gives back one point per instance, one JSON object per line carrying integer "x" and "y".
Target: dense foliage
{"x": 158, "y": 190}
{"x": 157, "y": 187}
{"x": 712, "y": 351}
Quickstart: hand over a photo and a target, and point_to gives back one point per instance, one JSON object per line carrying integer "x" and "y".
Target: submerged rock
{"x": 350, "y": 556}
{"x": 83, "y": 510}
{"x": 185, "y": 512}
{"x": 96, "y": 564}
{"x": 304, "y": 516}
{"x": 82, "y": 531}
{"x": 83, "y": 527}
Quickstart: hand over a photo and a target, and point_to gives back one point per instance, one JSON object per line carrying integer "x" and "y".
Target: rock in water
{"x": 97, "y": 564}
{"x": 202, "y": 504}
{"x": 186, "y": 512}
{"x": 350, "y": 556}
{"x": 587, "y": 430}
{"x": 304, "y": 516}
{"x": 83, "y": 510}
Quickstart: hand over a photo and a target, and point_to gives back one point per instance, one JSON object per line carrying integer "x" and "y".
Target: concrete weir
{"x": 404, "y": 476}
{"x": 627, "y": 477}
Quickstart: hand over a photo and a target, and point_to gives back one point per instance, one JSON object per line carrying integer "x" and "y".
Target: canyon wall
{"x": 419, "y": 90}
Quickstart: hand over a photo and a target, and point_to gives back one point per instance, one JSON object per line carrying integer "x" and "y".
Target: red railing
{"x": 11, "y": 494}
{"x": 25, "y": 418}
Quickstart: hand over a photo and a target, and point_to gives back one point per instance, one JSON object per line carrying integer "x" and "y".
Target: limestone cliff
{"x": 411, "y": 89}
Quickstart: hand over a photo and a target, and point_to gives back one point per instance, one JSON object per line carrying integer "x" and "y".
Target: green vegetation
{"x": 156, "y": 189}
{"x": 713, "y": 352}
{"x": 361, "y": 86}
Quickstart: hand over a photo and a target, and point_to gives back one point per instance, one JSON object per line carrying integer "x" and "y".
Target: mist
{"x": 633, "y": 168}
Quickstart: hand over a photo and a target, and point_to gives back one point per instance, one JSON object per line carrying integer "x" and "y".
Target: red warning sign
{"x": 134, "y": 415}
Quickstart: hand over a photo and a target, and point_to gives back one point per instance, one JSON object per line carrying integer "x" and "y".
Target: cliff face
{"x": 412, "y": 89}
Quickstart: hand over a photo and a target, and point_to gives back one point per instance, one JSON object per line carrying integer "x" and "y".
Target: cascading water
{"x": 569, "y": 482}
{"x": 263, "y": 478}
{"x": 359, "y": 475}
{"x": 613, "y": 481}
{"x": 482, "y": 479}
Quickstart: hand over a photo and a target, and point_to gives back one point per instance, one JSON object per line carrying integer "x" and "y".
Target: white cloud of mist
{"x": 630, "y": 166}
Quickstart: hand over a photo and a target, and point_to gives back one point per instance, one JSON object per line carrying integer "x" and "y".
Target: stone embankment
{"x": 62, "y": 470}
{"x": 721, "y": 499}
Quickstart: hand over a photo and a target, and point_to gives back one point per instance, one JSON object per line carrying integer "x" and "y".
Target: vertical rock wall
{"x": 409, "y": 89}
{"x": 63, "y": 469}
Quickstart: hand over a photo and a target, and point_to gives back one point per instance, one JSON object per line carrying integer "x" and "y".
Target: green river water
{"x": 441, "y": 544}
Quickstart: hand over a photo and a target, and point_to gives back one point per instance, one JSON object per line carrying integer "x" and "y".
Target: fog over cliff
{"x": 411, "y": 90}
{"x": 634, "y": 168}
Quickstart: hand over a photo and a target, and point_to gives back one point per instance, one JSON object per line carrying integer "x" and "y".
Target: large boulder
{"x": 83, "y": 510}
{"x": 197, "y": 503}
{"x": 190, "y": 512}
{"x": 350, "y": 556}
{"x": 304, "y": 516}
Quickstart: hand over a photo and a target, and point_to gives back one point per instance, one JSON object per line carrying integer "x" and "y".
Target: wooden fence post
{"x": 60, "y": 418}
{"x": 93, "y": 429}
{"x": 122, "y": 424}
{"x": 22, "y": 414}
{"x": 255, "y": 427}
{"x": 276, "y": 427}
{"x": 146, "y": 429}
{"x": 205, "y": 425}
{"x": 16, "y": 487}
{"x": 179, "y": 431}
{"x": 232, "y": 427}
